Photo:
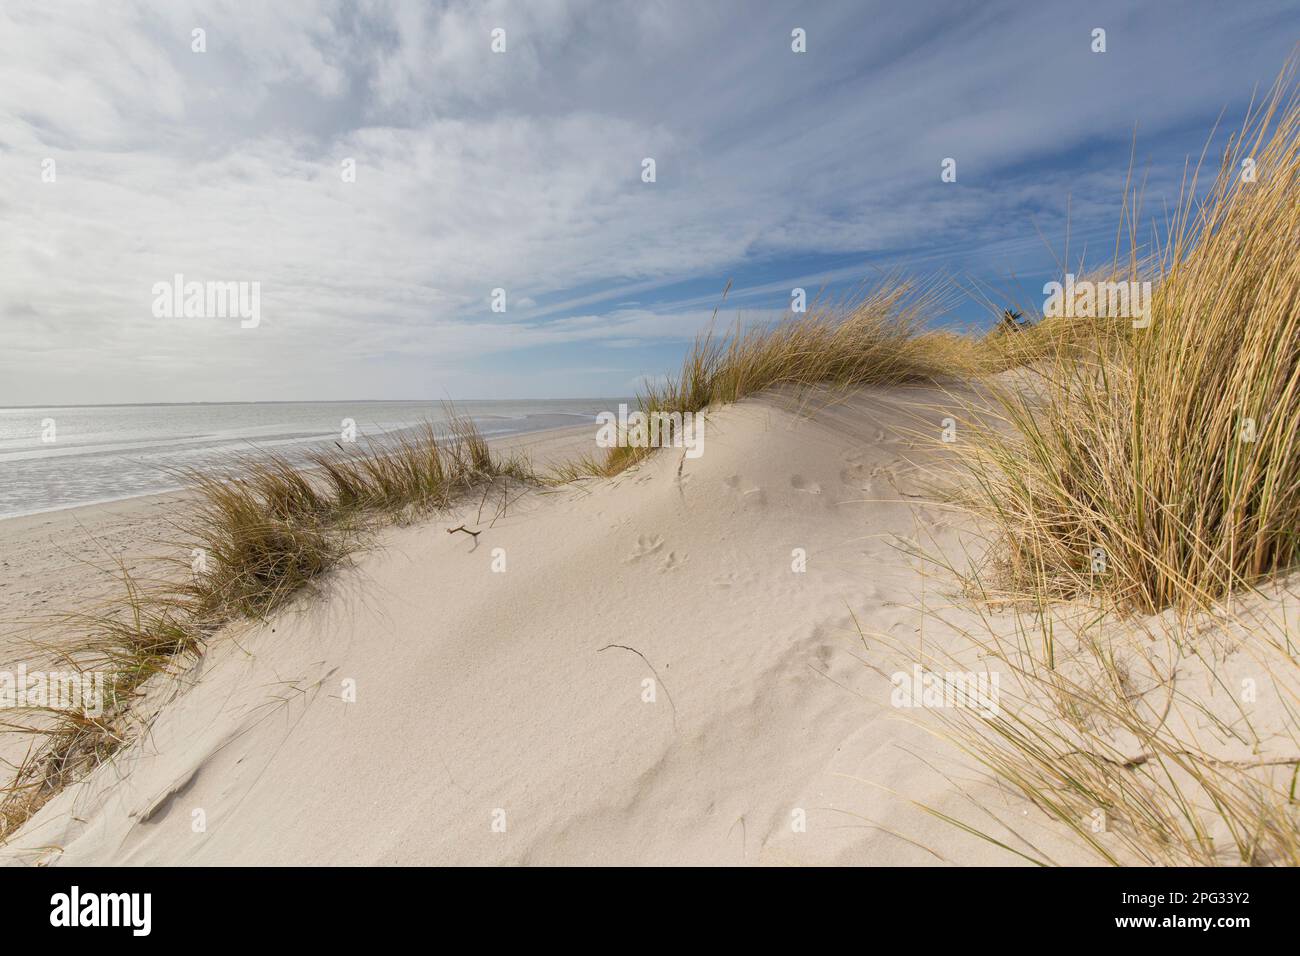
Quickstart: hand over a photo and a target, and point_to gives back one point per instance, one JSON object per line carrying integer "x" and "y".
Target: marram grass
{"x": 876, "y": 337}
{"x": 260, "y": 535}
{"x": 1160, "y": 466}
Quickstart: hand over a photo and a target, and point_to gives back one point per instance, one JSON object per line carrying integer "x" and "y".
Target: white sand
{"x": 66, "y": 561}
{"x": 519, "y": 697}
{"x": 485, "y": 696}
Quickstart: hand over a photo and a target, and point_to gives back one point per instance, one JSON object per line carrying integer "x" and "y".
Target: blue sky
{"x": 521, "y": 170}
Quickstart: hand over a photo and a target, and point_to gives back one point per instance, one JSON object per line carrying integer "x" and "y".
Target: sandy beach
{"x": 664, "y": 669}
{"x": 462, "y": 434}
{"x": 692, "y": 663}
{"x": 71, "y": 559}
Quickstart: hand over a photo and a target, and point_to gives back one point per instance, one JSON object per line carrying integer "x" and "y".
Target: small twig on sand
{"x": 466, "y": 530}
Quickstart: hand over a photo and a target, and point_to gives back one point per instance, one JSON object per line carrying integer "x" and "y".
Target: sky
{"x": 378, "y": 169}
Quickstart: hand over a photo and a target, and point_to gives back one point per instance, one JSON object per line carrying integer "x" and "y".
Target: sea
{"x": 63, "y": 457}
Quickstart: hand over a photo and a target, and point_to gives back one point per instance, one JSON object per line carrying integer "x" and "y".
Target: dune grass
{"x": 269, "y": 527}
{"x": 1153, "y": 474}
{"x": 259, "y": 535}
{"x": 1141, "y": 745}
{"x": 875, "y": 337}
{"x": 265, "y": 530}
{"x": 1046, "y": 339}
{"x": 1159, "y": 465}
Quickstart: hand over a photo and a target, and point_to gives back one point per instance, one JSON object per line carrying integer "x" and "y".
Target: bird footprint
{"x": 646, "y": 545}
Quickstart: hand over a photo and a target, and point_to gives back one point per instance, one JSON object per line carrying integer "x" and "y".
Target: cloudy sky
{"x": 522, "y": 170}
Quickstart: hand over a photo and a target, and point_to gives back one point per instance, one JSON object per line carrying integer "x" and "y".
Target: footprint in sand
{"x": 672, "y": 562}
{"x": 645, "y": 545}
{"x": 750, "y": 496}
{"x": 799, "y": 483}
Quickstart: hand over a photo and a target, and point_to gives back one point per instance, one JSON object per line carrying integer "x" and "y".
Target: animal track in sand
{"x": 799, "y": 483}
{"x": 853, "y": 475}
{"x": 673, "y": 562}
{"x": 754, "y": 495}
{"x": 645, "y": 545}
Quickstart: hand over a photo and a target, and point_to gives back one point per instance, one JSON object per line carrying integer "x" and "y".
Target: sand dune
{"x": 688, "y": 664}
{"x": 648, "y": 680}
{"x": 72, "y": 560}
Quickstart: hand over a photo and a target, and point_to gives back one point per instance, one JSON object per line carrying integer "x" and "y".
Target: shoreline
{"x": 513, "y": 440}
{"x": 66, "y": 559}
{"x": 70, "y": 560}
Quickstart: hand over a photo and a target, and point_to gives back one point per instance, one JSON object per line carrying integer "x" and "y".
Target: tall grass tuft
{"x": 1154, "y": 469}
{"x": 1160, "y": 466}
{"x": 875, "y": 337}
{"x": 262, "y": 532}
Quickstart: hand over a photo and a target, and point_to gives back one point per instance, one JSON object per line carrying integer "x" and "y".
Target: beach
{"x": 711, "y": 661}
{"x": 70, "y": 559}
{"x": 664, "y": 668}
{"x": 57, "y": 458}
{"x": 470, "y": 434}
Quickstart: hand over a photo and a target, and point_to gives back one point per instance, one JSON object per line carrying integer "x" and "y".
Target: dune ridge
{"x": 521, "y": 690}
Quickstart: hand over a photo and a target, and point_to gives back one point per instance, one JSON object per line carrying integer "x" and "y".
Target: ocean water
{"x": 110, "y": 452}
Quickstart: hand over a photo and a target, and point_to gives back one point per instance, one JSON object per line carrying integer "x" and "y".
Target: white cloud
{"x": 521, "y": 170}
